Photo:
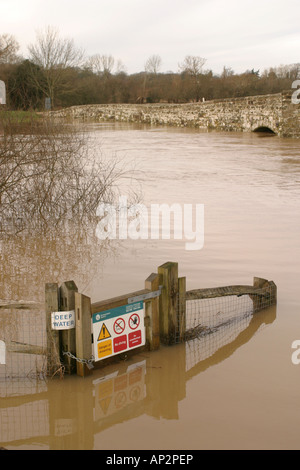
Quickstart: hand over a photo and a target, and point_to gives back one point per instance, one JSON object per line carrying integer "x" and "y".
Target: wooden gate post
{"x": 53, "y": 342}
{"x": 181, "y": 308}
{"x": 270, "y": 288}
{"x": 83, "y": 333}
{"x": 168, "y": 278}
{"x": 67, "y": 302}
{"x": 152, "y": 313}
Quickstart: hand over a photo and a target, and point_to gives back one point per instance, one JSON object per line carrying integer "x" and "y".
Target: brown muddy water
{"x": 237, "y": 389}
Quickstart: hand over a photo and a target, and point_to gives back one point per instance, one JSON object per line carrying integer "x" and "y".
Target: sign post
{"x": 118, "y": 330}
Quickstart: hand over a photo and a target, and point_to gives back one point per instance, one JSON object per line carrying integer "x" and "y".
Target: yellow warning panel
{"x": 104, "y": 348}
{"x": 104, "y": 404}
{"x": 104, "y": 333}
{"x": 106, "y": 388}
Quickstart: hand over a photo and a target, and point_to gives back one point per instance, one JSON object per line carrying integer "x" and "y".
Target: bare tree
{"x": 54, "y": 55}
{"x": 120, "y": 67}
{"x": 153, "y": 64}
{"x": 227, "y": 72}
{"x": 193, "y": 67}
{"x": 101, "y": 64}
{"x": 8, "y": 48}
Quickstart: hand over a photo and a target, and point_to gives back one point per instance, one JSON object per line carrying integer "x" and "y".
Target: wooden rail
{"x": 116, "y": 301}
{"x": 20, "y": 304}
{"x": 210, "y": 293}
{"x": 17, "y": 347}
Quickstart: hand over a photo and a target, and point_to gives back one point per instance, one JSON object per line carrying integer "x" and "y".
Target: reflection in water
{"x": 122, "y": 392}
{"x": 224, "y": 341}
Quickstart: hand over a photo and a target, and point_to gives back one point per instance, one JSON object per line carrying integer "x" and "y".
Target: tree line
{"x": 55, "y": 68}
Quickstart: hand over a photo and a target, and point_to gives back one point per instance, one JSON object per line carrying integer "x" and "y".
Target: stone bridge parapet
{"x": 274, "y": 112}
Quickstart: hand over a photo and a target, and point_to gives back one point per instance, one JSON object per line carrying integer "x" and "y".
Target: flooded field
{"x": 234, "y": 389}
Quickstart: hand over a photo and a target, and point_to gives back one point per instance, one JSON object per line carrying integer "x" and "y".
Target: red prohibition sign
{"x": 119, "y": 326}
{"x": 134, "y": 321}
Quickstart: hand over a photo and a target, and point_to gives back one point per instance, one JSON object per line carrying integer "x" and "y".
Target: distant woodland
{"x": 56, "y": 69}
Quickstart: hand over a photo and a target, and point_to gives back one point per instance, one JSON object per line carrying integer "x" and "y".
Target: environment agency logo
{"x": 178, "y": 221}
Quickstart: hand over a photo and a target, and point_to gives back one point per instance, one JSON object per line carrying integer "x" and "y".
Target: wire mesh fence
{"x": 22, "y": 360}
{"x": 24, "y": 421}
{"x": 205, "y": 316}
{"x": 208, "y": 310}
{"x": 215, "y": 338}
{"x": 215, "y": 318}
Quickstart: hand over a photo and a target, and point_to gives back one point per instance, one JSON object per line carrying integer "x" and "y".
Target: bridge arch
{"x": 263, "y": 126}
{"x": 265, "y": 129}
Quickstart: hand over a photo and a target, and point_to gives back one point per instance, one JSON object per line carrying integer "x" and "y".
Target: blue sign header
{"x": 117, "y": 312}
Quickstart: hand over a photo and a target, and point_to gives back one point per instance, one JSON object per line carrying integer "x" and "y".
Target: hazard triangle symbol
{"x": 104, "y": 404}
{"x": 104, "y": 333}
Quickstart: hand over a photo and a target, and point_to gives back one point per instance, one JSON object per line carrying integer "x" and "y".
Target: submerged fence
{"x": 73, "y": 335}
{"x": 214, "y": 308}
{"x": 22, "y": 347}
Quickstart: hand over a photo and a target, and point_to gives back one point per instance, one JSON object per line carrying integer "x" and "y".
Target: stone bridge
{"x": 274, "y": 113}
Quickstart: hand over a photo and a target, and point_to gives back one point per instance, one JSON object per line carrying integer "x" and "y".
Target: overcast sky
{"x": 241, "y": 34}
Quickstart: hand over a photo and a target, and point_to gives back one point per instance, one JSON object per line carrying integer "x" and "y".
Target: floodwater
{"x": 238, "y": 389}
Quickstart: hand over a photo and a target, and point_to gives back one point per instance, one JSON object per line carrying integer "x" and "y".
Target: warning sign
{"x": 135, "y": 339}
{"x": 118, "y": 330}
{"x": 104, "y": 349}
{"x": 115, "y": 392}
{"x": 120, "y": 343}
{"x": 119, "y": 326}
{"x": 104, "y": 404}
{"x": 134, "y": 321}
{"x": 104, "y": 333}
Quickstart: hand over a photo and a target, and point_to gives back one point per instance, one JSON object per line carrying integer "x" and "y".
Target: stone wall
{"x": 275, "y": 112}
{"x": 290, "y": 116}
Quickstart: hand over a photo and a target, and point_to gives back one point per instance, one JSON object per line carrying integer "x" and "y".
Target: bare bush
{"x": 50, "y": 177}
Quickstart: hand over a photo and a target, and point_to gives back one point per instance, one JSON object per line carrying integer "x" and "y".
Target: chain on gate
{"x": 88, "y": 362}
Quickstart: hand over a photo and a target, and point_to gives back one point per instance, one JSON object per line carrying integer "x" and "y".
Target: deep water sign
{"x": 63, "y": 320}
{"x": 118, "y": 330}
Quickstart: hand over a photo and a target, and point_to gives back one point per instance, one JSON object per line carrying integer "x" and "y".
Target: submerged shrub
{"x": 50, "y": 176}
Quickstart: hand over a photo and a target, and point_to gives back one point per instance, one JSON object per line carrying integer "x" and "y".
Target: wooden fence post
{"x": 53, "y": 337}
{"x": 68, "y": 343}
{"x": 152, "y": 313}
{"x": 273, "y": 292}
{"x": 83, "y": 333}
{"x": 270, "y": 288}
{"x": 181, "y": 308}
{"x": 168, "y": 278}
